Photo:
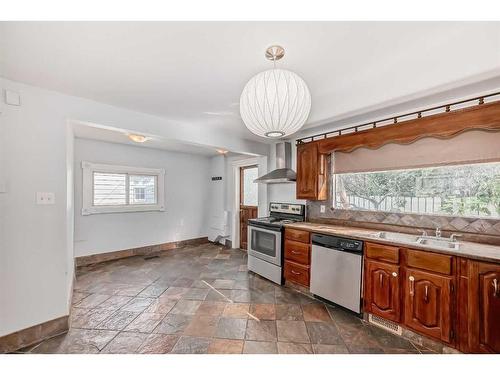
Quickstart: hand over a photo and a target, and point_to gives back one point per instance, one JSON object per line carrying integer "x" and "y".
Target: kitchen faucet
{"x": 438, "y": 232}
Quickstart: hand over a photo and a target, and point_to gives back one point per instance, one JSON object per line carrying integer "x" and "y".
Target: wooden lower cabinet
{"x": 428, "y": 304}
{"x": 382, "y": 292}
{"x": 297, "y": 256}
{"x": 297, "y": 273}
{"x": 484, "y": 307}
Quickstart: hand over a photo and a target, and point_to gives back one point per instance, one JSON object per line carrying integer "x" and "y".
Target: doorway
{"x": 248, "y": 200}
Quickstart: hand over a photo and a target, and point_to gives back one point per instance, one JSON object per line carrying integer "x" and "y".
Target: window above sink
{"x": 471, "y": 190}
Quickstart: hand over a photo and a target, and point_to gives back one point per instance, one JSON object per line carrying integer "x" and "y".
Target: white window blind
{"x": 109, "y": 189}
{"x": 467, "y": 148}
{"x": 112, "y": 188}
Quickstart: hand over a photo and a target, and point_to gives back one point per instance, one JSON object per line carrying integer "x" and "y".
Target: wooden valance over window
{"x": 442, "y": 126}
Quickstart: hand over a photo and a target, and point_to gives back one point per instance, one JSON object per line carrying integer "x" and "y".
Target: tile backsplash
{"x": 490, "y": 227}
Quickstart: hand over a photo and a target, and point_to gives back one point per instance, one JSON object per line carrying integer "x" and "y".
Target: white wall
{"x": 35, "y": 245}
{"x": 217, "y": 223}
{"x": 186, "y": 196}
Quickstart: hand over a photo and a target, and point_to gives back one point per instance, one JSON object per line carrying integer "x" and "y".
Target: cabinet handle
{"x": 412, "y": 285}
{"x": 426, "y": 294}
{"x": 495, "y": 285}
{"x": 394, "y": 274}
{"x": 295, "y": 273}
{"x": 295, "y": 252}
{"x": 381, "y": 280}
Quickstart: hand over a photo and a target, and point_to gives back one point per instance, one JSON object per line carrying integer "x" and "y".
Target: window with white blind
{"x": 112, "y": 188}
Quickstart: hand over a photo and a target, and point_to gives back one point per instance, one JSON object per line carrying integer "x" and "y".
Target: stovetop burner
{"x": 280, "y": 214}
{"x": 274, "y": 220}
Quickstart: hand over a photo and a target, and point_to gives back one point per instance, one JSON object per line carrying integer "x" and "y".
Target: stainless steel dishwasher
{"x": 336, "y": 270}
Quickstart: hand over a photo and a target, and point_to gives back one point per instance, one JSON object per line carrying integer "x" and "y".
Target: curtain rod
{"x": 376, "y": 124}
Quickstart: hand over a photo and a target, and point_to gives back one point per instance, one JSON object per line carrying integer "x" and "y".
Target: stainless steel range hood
{"x": 283, "y": 173}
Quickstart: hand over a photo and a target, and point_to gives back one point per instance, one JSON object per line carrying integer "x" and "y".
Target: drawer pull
{"x": 426, "y": 294}
{"x": 495, "y": 285}
{"x": 295, "y": 252}
{"x": 296, "y": 273}
{"x": 394, "y": 274}
{"x": 412, "y": 285}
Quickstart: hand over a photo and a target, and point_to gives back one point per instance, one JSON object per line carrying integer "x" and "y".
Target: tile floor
{"x": 201, "y": 299}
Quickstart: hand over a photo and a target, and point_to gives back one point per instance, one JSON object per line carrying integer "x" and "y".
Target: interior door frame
{"x": 262, "y": 208}
{"x": 242, "y": 190}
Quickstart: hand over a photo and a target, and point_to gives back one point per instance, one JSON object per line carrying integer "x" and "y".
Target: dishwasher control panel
{"x": 339, "y": 243}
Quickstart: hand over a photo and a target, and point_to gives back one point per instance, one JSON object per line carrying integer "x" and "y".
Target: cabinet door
{"x": 307, "y": 171}
{"x": 311, "y": 173}
{"x": 428, "y": 304}
{"x": 382, "y": 294}
{"x": 484, "y": 307}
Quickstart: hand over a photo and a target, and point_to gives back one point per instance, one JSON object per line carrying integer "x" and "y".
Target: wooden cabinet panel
{"x": 382, "y": 292}
{"x": 297, "y": 235}
{"x": 462, "y": 303}
{"x": 484, "y": 307}
{"x": 429, "y": 261}
{"x": 298, "y": 252}
{"x": 383, "y": 253}
{"x": 428, "y": 304}
{"x": 297, "y": 273}
{"x": 311, "y": 173}
{"x": 246, "y": 212}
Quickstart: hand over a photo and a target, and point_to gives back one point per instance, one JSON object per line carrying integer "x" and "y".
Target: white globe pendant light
{"x": 275, "y": 103}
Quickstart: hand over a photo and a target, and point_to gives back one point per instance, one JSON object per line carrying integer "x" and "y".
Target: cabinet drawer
{"x": 298, "y": 252}
{"x": 429, "y": 261}
{"x": 383, "y": 253}
{"x": 297, "y": 235}
{"x": 297, "y": 273}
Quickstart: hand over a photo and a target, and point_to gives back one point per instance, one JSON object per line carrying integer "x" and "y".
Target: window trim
{"x": 88, "y": 189}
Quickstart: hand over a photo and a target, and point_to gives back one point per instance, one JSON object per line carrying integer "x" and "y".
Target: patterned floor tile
{"x": 191, "y": 345}
{"x": 260, "y": 347}
{"x": 224, "y": 346}
{"x": 202, "y": 299}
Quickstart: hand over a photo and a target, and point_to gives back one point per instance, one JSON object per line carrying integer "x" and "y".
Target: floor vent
{"x": 385, "y": 324}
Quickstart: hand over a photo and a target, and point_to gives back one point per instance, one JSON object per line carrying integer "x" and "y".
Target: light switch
{"x": 45, "y": 198}
{"x": 12, "y": 98}
{"x": 322, "y": 208}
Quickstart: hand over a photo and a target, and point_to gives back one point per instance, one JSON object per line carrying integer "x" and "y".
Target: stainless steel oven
{"x": 265, "y": 239}
{"x": 265, "y": 244}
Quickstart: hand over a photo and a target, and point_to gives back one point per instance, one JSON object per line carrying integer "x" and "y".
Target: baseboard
{"x": 33, "y": 335}
{"x": 138, "y": 251}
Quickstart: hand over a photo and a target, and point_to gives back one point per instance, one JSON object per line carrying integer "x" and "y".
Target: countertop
{"x": 470, "y": 250}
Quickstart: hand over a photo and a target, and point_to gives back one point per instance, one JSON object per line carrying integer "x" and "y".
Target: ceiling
{"x": 115, "y": 135}
{"x": 194, "y": 72}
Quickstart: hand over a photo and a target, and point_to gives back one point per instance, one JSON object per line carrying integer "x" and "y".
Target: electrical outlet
{"x": 322, "y": 208}
{"x": 45, "y": 198}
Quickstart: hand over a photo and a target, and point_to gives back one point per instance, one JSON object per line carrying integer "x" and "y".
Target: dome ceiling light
{"x": 137, "y": 138}
{"x": 275, "y": 103}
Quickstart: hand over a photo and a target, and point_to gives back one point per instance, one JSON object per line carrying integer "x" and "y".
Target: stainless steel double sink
{"x": 437, "y": 242}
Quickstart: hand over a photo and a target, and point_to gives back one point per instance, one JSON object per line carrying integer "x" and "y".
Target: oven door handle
{"x": 255, "y": 227}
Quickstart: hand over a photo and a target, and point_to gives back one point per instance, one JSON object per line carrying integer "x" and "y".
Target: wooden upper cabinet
{"x": 311, "y": 173}
{"x": 382, "y": 294}
{"x": 484, "y": 307}
{"x": 428, "y": 304}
